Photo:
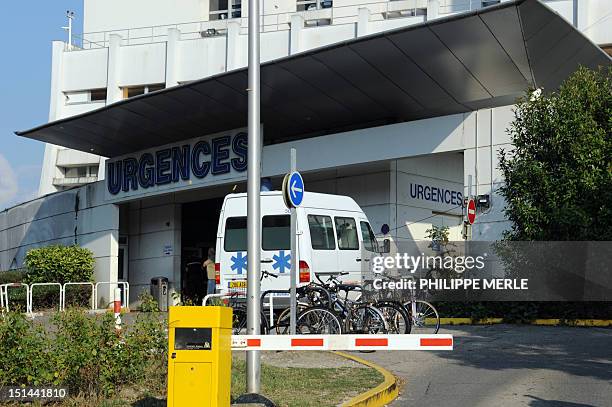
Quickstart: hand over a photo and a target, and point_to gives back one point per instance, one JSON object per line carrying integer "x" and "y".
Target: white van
{"x": 334, "y": 235}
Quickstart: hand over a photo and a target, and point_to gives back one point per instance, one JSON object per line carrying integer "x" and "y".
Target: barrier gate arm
{"x": 343, "y": 342}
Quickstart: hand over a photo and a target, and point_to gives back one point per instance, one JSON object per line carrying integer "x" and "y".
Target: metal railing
{"x": 31, "y": 300}
{"x": 315, "y": 10}
{"x": 4, "y": 291}
{"x": 92, "y": 299}
{"x": 125, "y": 297}
{"x": 29, "y": 297}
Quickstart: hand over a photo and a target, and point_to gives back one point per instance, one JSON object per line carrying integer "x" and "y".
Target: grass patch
{"x": 304, "y": 387}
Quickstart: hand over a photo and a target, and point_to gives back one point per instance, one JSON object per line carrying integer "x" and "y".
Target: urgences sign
{"x": 196, "y": 159}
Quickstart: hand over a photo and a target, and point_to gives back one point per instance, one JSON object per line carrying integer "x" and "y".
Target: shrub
{"x": 82, "y": 352}
{"x": 12, "y": 276}
{"x": 147, "y": 302}
{"x": 59, "y": 264}
{"x": 26, "y": 357}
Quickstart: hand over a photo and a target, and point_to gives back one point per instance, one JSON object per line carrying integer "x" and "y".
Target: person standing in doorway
{"x": 209, "y": 267}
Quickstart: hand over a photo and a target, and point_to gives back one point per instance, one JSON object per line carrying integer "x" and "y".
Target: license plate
{"x": 238, "y": 284}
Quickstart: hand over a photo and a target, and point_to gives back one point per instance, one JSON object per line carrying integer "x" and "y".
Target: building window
{"x": 97, "y": 95}
{"x": 308, "y": 5}
{"x": 86, "y": 96}
{"x": 80, "y": 172}
{"x": 132, "y": 91}
{"x": 221, "y": 9}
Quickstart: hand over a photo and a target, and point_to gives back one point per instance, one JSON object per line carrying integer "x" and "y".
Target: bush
{"x": 147, "y": 302}
{"x": 26, "y": 357}
{"x": 82, "y": 352}
{"x": 59, "y": 264}
{"x": 12, "y": 276}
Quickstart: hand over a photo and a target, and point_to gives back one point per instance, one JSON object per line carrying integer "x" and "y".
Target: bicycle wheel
{"x": 239, "y": 322}
{"x": 283, "y": 321}
{"x": 317, "y": 320}
{"x": 425, "y": 318}
{"x": 366, "y": 319}
{"x": 398, "y": 321}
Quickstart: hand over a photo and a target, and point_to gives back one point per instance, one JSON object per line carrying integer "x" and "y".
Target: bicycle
{"x": 238, "y": 305}
{"x": 359, "y": 316}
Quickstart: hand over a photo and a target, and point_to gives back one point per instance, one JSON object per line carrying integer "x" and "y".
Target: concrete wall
{"x": 481, "y": 168}
{"x": 78, "y": 216}
{"x": 154, "y": 236}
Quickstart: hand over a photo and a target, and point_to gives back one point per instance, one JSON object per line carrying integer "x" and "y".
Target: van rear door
{"x": 276, "y": 250}
{"x": 233, "y": 257}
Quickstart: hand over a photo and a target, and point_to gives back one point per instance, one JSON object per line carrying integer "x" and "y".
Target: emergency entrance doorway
{"x": 198, "y": 234}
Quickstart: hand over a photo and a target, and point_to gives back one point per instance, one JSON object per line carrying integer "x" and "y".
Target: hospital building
{"x": 402, "y": 105}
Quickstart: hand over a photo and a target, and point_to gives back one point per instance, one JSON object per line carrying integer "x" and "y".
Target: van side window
{"x": 275, "y": 233}
{"x": 346, "y": 231}
{"x": 369, "y": 240}
{"x": 321, "y": 232}
{"x": 235, "y": 234}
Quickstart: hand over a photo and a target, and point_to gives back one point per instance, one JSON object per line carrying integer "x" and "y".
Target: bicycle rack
{"x": 31, "y": 294}
{"x": 93, "y": 289}
{"x": 126, "y": 292}
{"x": 4, "y": 292}
{"x": 271, "y": 294}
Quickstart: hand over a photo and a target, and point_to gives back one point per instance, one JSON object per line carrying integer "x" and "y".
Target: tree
{"x": 558, "y": 175}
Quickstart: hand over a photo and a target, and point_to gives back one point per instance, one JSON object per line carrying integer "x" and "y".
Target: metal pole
{"x": 253, "y": 200}
{"x": 294, "y": 255}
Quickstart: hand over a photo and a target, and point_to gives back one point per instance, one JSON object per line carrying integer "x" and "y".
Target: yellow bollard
{"x": 199, "y": 356}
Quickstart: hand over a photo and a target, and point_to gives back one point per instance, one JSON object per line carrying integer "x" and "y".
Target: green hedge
{"x": 59, "y": 264}
{"x": 522, "y": 312}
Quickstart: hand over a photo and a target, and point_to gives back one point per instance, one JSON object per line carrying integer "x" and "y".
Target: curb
{"x": 539, "y": 322}
{"x": 380, "y": 395}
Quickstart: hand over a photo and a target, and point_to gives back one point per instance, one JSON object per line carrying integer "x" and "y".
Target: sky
{"x": 27, "y": 30}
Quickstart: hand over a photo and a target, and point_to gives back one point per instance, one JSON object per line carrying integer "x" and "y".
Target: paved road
{"x": 507, "y": 365}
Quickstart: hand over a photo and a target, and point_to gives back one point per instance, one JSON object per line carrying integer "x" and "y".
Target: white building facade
{"x": 407, "y": 176}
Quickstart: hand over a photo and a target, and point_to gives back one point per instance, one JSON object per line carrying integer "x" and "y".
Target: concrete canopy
{"x": 480, "y": 59}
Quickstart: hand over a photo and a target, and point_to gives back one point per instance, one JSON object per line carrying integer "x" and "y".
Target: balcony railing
{"x": 313, "y": 12}
{"x": 73, "y": 181}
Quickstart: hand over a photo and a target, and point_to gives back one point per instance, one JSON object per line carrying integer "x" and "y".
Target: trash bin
{"x": 159, "y": 291}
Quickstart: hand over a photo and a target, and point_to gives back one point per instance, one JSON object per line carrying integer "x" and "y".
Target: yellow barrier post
{"x": 199, "y": 356}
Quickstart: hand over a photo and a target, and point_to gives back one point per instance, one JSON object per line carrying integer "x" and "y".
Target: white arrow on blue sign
{"x": 295, "y": 189}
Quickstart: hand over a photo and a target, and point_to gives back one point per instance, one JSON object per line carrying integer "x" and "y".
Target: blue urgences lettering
{"x": 178, "y": 163}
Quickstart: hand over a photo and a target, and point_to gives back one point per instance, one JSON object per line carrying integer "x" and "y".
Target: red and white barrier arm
{"x": 342, "y": 342}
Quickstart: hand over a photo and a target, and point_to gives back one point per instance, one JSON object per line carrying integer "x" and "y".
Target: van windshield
{"x": 235, "y": 234}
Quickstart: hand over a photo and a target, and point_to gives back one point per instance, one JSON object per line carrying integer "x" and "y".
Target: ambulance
{"x": 333, "y": 236}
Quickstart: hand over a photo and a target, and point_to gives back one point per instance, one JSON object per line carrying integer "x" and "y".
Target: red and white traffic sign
{"x": 342, "y": 342}
{"x": 471, "y": 211}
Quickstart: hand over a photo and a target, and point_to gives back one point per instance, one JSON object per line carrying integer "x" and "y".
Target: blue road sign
{"x": 295, "y": 189}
